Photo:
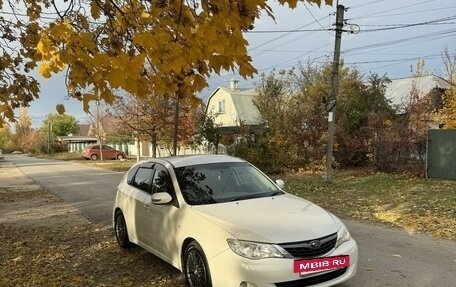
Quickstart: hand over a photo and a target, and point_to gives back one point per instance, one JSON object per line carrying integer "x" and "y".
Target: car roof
{"x": 187, "y": 160}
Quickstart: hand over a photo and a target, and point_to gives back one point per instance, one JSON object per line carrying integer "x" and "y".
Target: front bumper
{"x": 230, "y": 270}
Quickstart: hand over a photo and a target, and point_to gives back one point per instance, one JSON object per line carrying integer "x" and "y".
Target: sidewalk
{"x": 25, "y": 203}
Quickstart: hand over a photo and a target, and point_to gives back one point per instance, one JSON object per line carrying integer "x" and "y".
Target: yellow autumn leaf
{"x": 145, "y": 15}
{"x": 57, "y": 64}
{"x": 45, "y": 70}
{"x": 246, "y": 69}
{"x": 199, "y": 82}
{"x": 41, "y": 49}
{"x": 86, "y": 99}
{"x": 95, "y": 9}
{"x": 177, "y": 64}
{"x": 116, "y": 78}
{"x": 60, "y": 108}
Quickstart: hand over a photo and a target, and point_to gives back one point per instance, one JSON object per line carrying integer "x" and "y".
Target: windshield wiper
{"x": 243, "y": 197}
{"x": 278, "y": 192}
{"x": 257, "y": 195}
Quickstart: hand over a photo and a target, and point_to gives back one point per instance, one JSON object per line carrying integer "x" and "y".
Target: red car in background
{"x": 93, "y": 152}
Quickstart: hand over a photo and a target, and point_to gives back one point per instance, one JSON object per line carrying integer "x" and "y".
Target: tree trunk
{"x": 154, "y": 145}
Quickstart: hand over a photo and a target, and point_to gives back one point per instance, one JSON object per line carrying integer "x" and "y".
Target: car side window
{"x": 161, "y": 182}
{"x": 142, "y": 179}
{"x": 131, "y": 175}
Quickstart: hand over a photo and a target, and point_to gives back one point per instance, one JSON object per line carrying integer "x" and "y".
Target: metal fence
{"x": 441, "y": 154}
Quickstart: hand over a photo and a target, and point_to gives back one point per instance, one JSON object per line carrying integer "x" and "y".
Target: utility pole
{"x": 99, "y": 132}
{"x": 49, "y": 136}
{"x": 331, "y": 103}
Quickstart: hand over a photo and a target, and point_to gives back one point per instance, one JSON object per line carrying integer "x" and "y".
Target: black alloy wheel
{"x": 196, "y": 269}
{"x": 120, "y": 229}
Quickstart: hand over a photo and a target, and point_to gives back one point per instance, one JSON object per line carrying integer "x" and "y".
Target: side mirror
{"x": 280, "y": 183}
{"x": 161, "y": 198}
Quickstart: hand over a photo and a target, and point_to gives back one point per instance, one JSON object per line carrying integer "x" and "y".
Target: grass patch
{"x": 61, "y": 156}
{"x": 114, "y": 165}
{"x": 415, "y": 204}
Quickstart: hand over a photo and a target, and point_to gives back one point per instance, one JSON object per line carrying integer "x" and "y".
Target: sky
{"x": 392, "y": 35}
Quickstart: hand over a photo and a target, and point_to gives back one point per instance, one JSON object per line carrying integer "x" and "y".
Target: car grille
{"x": 303, "y": 249}
{"x": 313, "y": 280}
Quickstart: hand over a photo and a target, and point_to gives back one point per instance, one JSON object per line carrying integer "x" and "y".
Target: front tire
{"x": 120, "y": 156}
{"x": 196, "y": 269}
{"x": 94, "y": 157}
{"x": 120, "y": 229}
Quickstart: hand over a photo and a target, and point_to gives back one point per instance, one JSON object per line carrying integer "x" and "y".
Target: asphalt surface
{"x": 387, "y": 256}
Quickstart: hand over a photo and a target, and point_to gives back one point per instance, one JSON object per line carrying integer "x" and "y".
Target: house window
{"x": 221, "y": 106}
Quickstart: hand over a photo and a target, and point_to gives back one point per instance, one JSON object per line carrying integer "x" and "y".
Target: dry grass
{"x": 418, "y": 205}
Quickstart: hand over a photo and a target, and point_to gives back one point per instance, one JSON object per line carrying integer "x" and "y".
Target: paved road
{"x": 388, "y": 256}
{"x": 91, "y": 190}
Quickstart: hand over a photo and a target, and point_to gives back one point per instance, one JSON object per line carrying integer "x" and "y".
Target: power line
{"x": 430, "y": 56}
{"x": 405, "y": 13}
{"x": 392, "y": 42}
{"x": 402, "y": 24}
{"x": 286, "y": 31}
{"x": 381, "y": 13}
{"x": 318, "y": 22}
{"x": 290, "y": 51}
{"x": 412, "y": 25}
{"x": 284, "y": 35}
{"x": 388, "y": 26}
{"x": 366, "y": 4}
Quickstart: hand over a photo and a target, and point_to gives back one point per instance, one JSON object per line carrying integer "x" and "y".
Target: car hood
{"x": 278, "y": 219}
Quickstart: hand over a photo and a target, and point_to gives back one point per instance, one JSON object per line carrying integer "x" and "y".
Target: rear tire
{"x": 120, "y": 229}
{"x": 196, "y": 269}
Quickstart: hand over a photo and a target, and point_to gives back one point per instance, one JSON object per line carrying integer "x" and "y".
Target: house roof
{"x": 398, "y": 91}
{"x": 83, "y": 130}
{"x": 81, "y": 139}
{"x": 247, "y": 112}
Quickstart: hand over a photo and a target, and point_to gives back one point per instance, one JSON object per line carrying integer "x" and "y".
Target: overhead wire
{"x": 318, "y": 22}
{"x": 392, "y": 42}
{"x": 407, "y": 13}
{"x": 286, "y": 34}
{"x": 381, "y": 13}
{"x": 411, "y": 25}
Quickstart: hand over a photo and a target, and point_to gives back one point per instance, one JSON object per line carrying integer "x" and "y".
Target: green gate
{"x": 441, "y": 154}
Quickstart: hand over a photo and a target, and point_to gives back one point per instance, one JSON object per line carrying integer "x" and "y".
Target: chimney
{"x": 233, "y": 84}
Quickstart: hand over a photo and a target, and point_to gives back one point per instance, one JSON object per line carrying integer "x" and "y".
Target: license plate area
{"x": 319, "y": 264}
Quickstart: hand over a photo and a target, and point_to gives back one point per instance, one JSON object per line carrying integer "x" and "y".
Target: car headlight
{"x": 254, "y": 250}
{"x": 342, "y": 235}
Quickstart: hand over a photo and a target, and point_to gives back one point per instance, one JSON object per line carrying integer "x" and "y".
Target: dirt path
{"x": 46, "y": 242}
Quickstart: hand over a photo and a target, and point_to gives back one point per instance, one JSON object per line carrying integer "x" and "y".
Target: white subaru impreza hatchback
{"x": 222, "y": 222}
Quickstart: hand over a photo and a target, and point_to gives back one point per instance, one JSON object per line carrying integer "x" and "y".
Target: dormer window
{"x": 221, "y": 106}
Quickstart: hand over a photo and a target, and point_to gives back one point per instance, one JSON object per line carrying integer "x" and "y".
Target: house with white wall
{"x": 398, "y": 92}
{"x": 232, "y": 106}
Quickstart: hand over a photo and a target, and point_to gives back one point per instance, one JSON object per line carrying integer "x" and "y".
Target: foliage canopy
{"x": 60, "y": 125}
{"x": 139, "y": 46}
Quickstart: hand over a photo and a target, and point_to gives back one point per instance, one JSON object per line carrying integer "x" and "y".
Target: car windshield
{"x": 223, "y": 182}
